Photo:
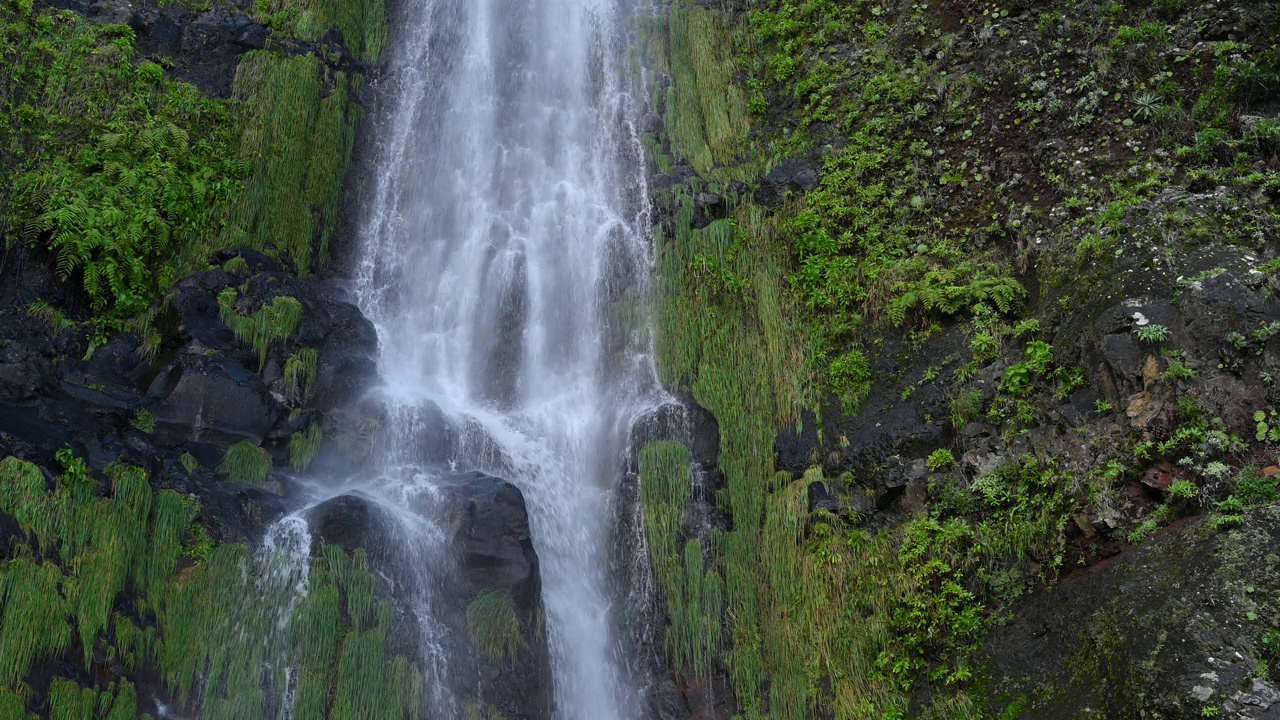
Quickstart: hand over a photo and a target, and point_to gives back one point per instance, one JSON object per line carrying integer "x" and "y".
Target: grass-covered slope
{"x": 909, "y": 239}
{"x": 109, "y": 589}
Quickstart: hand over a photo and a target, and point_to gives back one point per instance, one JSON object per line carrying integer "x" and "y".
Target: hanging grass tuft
{"x": 300, "y": 373}
{"x": 303, "y": 446}
{"x": 494, "y": 627}
{"x": 274, "y": 320}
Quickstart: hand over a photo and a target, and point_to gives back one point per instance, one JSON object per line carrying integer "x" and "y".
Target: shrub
{"x": 939, "y": 460}
{"x": 851, "y": 379}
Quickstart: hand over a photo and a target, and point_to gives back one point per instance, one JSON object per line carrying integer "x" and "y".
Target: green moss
{"x": 245, "y": 463}
{"x": 494, "y": 626}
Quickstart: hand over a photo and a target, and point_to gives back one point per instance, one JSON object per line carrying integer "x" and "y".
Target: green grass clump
{"x": 275, "y": 320}
{"x": 245, "y": 462}
{"x": 33, "y": 625}
{"x": 69, "y": 701}
{"x": 694, "y": 596}
{"x": 300, "y": 373}
{"x": 494, "y": 626}
{"x": 303, "y": 446}
{"x": 12, "y": 706}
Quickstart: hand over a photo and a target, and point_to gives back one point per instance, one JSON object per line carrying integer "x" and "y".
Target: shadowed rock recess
{"x": 966, "y": 316}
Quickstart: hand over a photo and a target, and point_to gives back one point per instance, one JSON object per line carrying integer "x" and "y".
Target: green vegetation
{"x": 245, "y": 462}
{"x": 144, "y": 421}
{"x": 303, "y": 446}
{"x": 363, "y": 24}
{"x": 494, "y": 626}
{"x": 131, "y": 180}
{"x": 209, "y": 628}
{"x": 300, "y": 373}
{"x": 272, "y": 321}
{"x": 928, "y": 213}
{"x": 299, "y": 128}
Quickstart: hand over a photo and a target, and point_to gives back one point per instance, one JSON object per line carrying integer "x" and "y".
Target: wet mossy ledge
{"x": 982, "y": 297}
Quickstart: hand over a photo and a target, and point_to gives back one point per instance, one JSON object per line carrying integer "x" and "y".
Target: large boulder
{"x": 475, "y": 546}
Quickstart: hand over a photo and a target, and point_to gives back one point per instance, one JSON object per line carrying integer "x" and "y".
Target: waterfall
{"x": 504, "y": 262}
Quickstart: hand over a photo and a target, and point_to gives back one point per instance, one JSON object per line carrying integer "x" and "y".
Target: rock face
{"x": 487, "y": 549}
{"x": 201, "y": 392}
{"x": 1165, "y": 630}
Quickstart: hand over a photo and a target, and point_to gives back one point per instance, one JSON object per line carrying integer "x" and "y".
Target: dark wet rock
{"x": 796, "y": 446}
{"x": 351, "y": 522}
{"x": 793, "y": 175}
{"x": 232, "y": 512}
{"x": 1164, "y": 630}
{"x": 489, "y": 549}
{"x": 205, "y": 401}
{"x": 684, "y": 421}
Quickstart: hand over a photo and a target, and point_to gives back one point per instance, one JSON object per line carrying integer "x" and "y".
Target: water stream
{"x": 504, "y": 264}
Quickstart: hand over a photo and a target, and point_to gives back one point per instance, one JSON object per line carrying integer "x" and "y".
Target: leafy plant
{"x": 1142, "y": 531}
{"x": 851, "y": 378}
{"x": 1266, "y": 428}
{"x": 1177, "y": 370}
{"x": 1039, "y": 356}
{"x": 939, "y": 460}
{"x": 1152, "y": 333}
{"x": 144, "y": 421}
{"x": 1183, "y": 489}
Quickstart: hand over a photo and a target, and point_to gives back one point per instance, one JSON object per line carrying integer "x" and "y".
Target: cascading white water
{"x": 504, "y": 263}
